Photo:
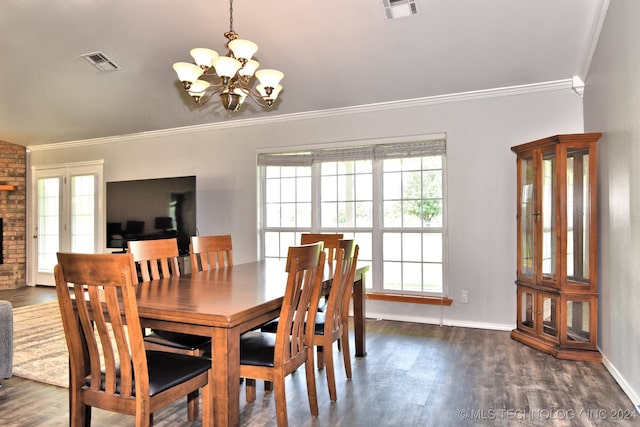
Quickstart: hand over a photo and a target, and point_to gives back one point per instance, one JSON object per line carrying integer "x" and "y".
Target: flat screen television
{"x": 151, "y": 209}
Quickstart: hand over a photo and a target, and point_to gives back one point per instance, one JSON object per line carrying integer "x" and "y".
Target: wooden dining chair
{"x": 157, "y": 259}
{"x": 330, "y": 242}
{"x": 333, "y": 324}
{"x": 273, "y": 356}
{"x": 109, "y": 367}
{"x": 154, "y": 259}
{"x": 210, "y": 252}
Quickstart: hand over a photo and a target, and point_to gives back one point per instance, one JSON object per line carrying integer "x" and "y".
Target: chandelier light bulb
{"x": 243, "y": 49}
{"x": 203, "y": 57}
{"x": 187, "y": 72}
{"x": 269, "y": 78}
{"x": 226, "y": 67}
{"x": 198, "y": 87}
{"x": 249, "y": 68}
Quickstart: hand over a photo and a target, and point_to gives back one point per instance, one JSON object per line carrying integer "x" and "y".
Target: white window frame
{"x": 306, "y": 155}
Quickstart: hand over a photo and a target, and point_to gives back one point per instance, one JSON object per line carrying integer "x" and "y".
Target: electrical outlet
{"x": 464, "y": 297}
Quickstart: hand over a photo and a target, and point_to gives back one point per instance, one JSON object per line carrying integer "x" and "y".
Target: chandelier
{"x": 229, "y": 75}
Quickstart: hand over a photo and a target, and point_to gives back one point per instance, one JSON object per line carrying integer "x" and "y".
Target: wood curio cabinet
{"x": 557, "y": 294}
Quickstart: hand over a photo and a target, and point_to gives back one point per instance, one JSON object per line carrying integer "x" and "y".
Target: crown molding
{"x": 594, "y": 35}
{"x": 309, "y": 115}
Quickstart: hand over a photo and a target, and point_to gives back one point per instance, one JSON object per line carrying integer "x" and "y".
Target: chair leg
{"x": 207, "y": 403}
{"x": 320, "y": 356}
{"x": 312, "y": 391}
{"x": 79, "y": 414}
{"x": 331, "y": 374}
{"x": 250, "y": 389}
{"x": 144, "y": 419}
{"x": 192, "y": 405}
{"x": 281, "y": 401}
{"x": 346, "y": 355}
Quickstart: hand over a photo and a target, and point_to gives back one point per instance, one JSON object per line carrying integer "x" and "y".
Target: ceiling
{"x": 334, "y": 54}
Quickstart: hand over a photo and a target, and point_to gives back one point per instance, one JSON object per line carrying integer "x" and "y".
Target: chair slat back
{"x": 330, "y": 242}
{"x": 337, "y": 311}
{"x": 155, "y": 259}
{"x": 103, "y": 352}
{"x": 304, "y": 283}
{"x": 210, "y": 252}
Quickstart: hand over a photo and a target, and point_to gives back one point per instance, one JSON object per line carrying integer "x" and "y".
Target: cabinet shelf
{"x": 557, "y": 294}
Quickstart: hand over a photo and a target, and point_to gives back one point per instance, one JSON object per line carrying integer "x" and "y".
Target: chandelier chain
{"x": 231, "y": 15}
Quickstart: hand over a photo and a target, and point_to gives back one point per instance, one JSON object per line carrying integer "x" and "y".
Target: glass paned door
{"x": 48, "y": 230}
{"x": 578, "y": 209}
{"x": 548, "y": 218}
{"x": 527, "y": 217}
{"x": 65, "y": 216}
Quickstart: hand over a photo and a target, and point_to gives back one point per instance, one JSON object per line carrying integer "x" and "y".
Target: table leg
{"x": 225, "y": 376}
{"x": 359, "y": 310}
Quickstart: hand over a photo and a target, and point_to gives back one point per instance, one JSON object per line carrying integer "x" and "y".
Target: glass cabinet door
{"x": 578, "y": 203}
{"x": 526, "y": 317}
{"x": 548, "y": 216}
{"x": 578, "y": 321}
{"x": 549, "y": 311}
{"x": 527, "y": 218}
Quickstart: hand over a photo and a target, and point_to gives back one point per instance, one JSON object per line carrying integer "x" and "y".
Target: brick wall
{"x": 13, "y": 211}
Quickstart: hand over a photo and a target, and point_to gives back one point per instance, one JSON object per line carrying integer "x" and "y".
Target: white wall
{"x": 480, "y": 130}
{"x": 612, "y": 106}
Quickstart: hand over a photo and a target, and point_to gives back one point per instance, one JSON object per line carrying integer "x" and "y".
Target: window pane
{"x": 392, "y": 186}
{"x": 392, "y": 276}
{"x": 273, "y": 215}
{"x": 304, "y": 215}
{"x": 329, "y": 215}
{"x": 48, "y": 223}
{"x": 364, "y": 214}
{"x": 271, "y": 245}
{"x": 432, "y": 281}
{"x": 329, "y": 186}
{"x": 411, "y": 277}
{"x": 432, "y": 247}
{"x": 288, "y": 191}
{"x": 302, "y": 190}
{"x": 272, "y": 191}
{"x": 82, "y": 213}
{"x": 288, "y": 214}
{"x": 392, "y": 249}
{"x": 411, "y": 247}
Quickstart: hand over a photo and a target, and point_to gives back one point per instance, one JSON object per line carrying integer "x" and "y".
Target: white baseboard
{"x": 624, "y": 385}
{"x": 442, "y": 322}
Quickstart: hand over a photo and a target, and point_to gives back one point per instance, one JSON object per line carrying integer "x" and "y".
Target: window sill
{"x": 445, "y": 301}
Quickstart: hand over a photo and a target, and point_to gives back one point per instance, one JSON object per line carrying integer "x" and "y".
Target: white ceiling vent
{"x": 400, "y": 8}
{"x": 100, "y": 61}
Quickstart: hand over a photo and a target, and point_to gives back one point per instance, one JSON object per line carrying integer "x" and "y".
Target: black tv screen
{"x": 151, "y": 209}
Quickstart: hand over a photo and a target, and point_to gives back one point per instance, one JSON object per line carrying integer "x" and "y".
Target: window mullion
{"x": 378, "y": 214}
{"x": 315, "y": 196}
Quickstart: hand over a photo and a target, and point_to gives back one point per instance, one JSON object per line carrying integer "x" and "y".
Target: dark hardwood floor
{"x": 413, "y": 375}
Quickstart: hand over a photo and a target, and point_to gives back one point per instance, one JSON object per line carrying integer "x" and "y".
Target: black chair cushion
{"x": 167, "y": 370}
{"x": 257, "y": 348}
{"x": 177, "y": 340}
{"x": 271, "y": 326}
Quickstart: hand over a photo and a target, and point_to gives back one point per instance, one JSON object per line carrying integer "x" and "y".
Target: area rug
{"x": 39, "y": 346}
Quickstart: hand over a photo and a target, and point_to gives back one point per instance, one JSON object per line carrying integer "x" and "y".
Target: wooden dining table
{"x": 224, "y": 303}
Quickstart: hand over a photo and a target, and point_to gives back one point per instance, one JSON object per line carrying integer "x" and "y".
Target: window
{"x": 389, "y": 197}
